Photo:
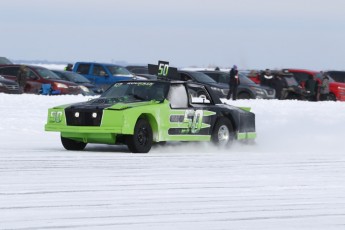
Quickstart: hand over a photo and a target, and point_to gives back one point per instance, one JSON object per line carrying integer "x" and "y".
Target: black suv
{"x": 247, "y": 88}
{"x": 141, "y": 72}
{"x": 220, "y": 89}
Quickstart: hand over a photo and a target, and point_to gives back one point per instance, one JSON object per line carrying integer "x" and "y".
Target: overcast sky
{"x": 249, "y": 33}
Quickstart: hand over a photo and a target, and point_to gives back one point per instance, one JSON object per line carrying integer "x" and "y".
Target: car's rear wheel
{"x": 223, "y": 132}
{"x": 72, "y": 145}
{"x": 142, "y": 138}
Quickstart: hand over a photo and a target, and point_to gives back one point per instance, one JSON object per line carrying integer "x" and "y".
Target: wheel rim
{"x": 142, "y": 136}
{"x": 223, "y": 135}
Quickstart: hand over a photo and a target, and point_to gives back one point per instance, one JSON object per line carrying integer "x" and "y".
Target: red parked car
{"x": 39, "y": 75}
{"x": 336, "y": 89}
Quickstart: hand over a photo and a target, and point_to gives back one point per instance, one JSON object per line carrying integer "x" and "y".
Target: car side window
{"x": 338, "y": 76}
{"x": 98, "y": 70}
{"x": 83, "y": 68}
{"x": 214, "y": 76}
{"x": 185, "y": 77}
{"x": 198, "y": 95}
{"x": 178, "y": 96}
{"x": 301, "y": 77}
{"x": 224, "y": 78}
{"x": 31, "y": 75}
{"x": 11, "y": 71}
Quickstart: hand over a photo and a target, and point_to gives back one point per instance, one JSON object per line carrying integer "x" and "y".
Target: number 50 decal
{"x": 163, "y": 68}
{"x": 194, "y": 119}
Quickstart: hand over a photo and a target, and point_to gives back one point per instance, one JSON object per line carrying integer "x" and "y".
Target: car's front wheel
{"x": 244, "y": 95}
{"x": 332, "y": 97}
{"x": 142, "y": 138}
{"x": 223, "y": 133}
{"x": 72, "y": 145}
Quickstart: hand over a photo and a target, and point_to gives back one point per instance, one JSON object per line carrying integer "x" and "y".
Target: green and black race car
{"x": 140, "y": 113}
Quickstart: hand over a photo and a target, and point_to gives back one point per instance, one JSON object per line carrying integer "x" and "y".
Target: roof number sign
{"x": 163, "y": 68}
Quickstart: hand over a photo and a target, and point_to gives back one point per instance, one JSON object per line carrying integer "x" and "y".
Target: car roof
{"x": 213, "y": 71}
{"x": 64, "y": 71}
{"x": 99, "y": 63}
{"x": 29, "y": 66}
{"x": 136, "y": 66}
{"x": 5, "y": 61}
{"x": 303, "y": 71}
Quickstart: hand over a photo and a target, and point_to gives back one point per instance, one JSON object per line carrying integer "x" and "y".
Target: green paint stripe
{"x": 81, "y": 129}
{"x": 249, "y": 135}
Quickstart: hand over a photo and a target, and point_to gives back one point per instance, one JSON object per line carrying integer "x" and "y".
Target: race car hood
{"x": 108, "y": 103}
{"x": 90, "y": 113}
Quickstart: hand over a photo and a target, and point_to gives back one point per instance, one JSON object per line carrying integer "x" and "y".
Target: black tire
{"x": 244, "y": 95}
{"x": 332, "y": 97}
{"x": 223, "y": 133}
{"x": 292, "y": 96}
{"x": 142, "y": 139}
{"x": 69, "y": 144}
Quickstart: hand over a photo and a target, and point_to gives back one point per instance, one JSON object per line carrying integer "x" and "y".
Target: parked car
{"x": 141, "y": 72}
{"x": 5, "y": 61}
{"x": 337, "y": 89}
{"x": 247, "y": 88}
{"x": 338, "y": 76}
{"x": 9, "y": 86}
{"x": 291, "y": 88}
{"x": 85, "y": 85}
{"x": 253, "y": 75}
{"x": 220, "y": 89}
{"x": 138, "y": 69}
{"x": 140, "y": 113}
{"x": 101, "y": 74}
{"x": 37, "y": 76}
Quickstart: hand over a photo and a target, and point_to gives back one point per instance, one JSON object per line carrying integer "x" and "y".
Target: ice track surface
{"x": 292, "y": 178}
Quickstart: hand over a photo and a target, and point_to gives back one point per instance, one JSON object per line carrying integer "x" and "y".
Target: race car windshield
{"x": 137, "y": 91}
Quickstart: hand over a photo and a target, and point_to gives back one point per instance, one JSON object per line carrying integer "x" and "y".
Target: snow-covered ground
{"x": 292, "y": 178}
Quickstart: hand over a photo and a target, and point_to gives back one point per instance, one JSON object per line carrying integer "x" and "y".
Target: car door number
{"x": 194, "y": 120}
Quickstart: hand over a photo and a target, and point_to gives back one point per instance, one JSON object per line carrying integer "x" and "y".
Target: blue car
{"x": 101, "y": 74}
